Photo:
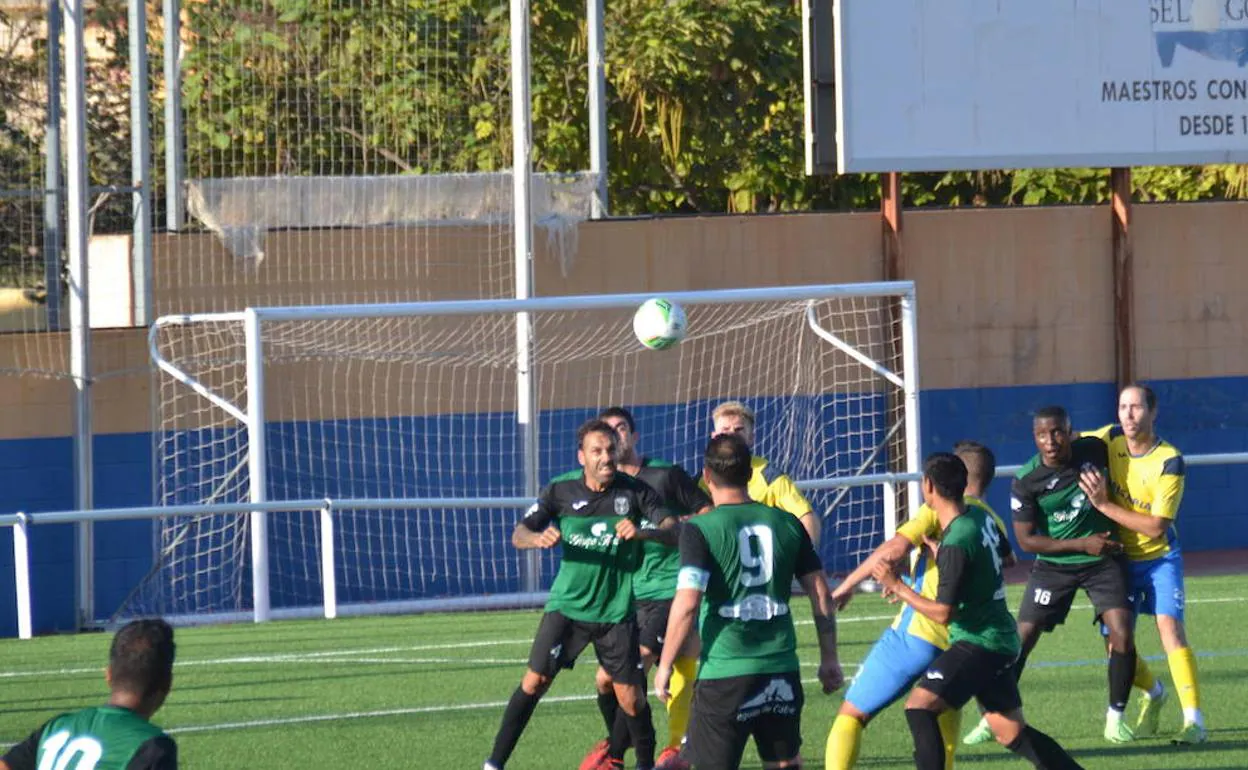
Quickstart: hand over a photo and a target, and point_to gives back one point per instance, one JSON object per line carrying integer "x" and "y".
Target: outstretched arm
{"x": 891, "y": 552}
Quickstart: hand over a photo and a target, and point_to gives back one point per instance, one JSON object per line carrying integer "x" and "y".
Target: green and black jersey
{"x": 103, "y": 738}
{"x": 595, "y": 579}
{"x": 969, "y": 563}
{"x": 656, "y": 578}
{"x": 1052, "y": 500}
{"x": 744, "y": 557}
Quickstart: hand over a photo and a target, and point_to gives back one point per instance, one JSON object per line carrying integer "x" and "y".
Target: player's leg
{"x": 1165, "y": 576}
{"x": 896, "y": 660}
{"x": 618, "y": 649}
{"x": 997, "y": 693}
{"x": 557, "y": 644}
{"x": 1106, "y": 586}
{"x": 951, "y": 680}
{"x": 609, "y": 707}
{"x": 716, "y": 737}
{"x": 777, "y": 730}
{"x": 679, "y": 706}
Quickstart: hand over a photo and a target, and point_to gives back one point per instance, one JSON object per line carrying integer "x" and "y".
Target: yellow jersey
{"x": 1151, "y": 484}
{"x": 927, "y": 523}
{"x": 771, "y": 487}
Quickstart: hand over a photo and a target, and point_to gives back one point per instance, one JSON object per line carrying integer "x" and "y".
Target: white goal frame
{"x": 252, "y": 416}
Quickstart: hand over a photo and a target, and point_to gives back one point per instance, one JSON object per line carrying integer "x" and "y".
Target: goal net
{"x": 420, "y": 401}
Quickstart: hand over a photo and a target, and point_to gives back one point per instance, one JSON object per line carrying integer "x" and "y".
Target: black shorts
{"x": 1051, "y": 590}
{"x": 560, "y": 640}
{"x": 652, "y": 623}
{"x": 727, "y": 712}
{"x": 966, "y": 671}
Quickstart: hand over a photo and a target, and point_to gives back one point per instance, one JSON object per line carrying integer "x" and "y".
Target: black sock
{"x": 1042, "y": 751}
{"x": 1121, "y": 673}
{"x": 609, "y": 707}
{"x": 515, "y": 719}
{"x": 929, "y": 747}
{"x": 641, "y": 727}
{"x": 620, "y": 737}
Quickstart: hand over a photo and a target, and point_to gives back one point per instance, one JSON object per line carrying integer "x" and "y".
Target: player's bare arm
{"x": 929, "y": 608}
{"x": 823, "y": 608}
{"x": 525, "y": 538}
{"x": 890, "y": 551}
{"x": 1093, "y": 484}
{"x": 1030, "y": 541}
{"x": 680, "y": 622}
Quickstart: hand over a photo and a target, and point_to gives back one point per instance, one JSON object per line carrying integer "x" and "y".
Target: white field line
{"x": 328, "y": 656}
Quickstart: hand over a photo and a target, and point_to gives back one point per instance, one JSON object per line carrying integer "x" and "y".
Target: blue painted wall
{"x": 1199, "y": 416}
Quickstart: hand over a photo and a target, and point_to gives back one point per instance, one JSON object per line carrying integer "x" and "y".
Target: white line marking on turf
{"x": 327, "y": 656}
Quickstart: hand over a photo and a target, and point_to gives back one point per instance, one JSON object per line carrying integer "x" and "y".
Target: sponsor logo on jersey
{"x": 579, "y": 504}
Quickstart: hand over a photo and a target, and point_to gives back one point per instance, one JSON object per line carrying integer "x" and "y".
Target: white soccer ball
{"x": 659, "y": 323}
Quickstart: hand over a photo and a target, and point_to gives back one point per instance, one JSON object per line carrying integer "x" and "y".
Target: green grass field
{"x": 428, "y": 691}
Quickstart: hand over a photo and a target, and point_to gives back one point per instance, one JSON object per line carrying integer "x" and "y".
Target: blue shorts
{"x": 892, "y": 666}
{"x": 1155, "y": 587}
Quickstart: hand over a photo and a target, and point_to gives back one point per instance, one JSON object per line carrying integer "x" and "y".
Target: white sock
{"x": 1157, "y": 689}
{"x": 1113, "y": 715}
{"x": 1193, "y": 716}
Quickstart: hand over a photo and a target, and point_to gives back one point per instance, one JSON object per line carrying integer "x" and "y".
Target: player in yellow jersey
{"x": 909, "y": 646}
{"x": 1142, "y": 495}
{"x": 768, "y": 484}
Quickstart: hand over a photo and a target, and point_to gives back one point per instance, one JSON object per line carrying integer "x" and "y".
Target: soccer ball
{"x": 659, "y": 323}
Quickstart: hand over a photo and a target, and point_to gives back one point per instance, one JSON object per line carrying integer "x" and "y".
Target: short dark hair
{"x": 622, "y": 413}
{"x": 979, "y": 460}
{"x": 1052, "y": 412}
{"x": 1150, "y": 396}
{"x": 593, "y": 426}
{"x": 140, "y": 660}
{"x": 947, "y": 473}
{"x": 728, "y": 460}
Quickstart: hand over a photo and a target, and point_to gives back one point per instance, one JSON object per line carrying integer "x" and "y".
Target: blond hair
{"x": 734, "y": 409}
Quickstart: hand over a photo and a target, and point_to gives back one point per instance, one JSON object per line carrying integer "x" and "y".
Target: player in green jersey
{"x": 984, "y": 641}
{"x": 654, "y": 585}
{"x": 742, "y": 557}
{"x": 1076, "y": 547}
{"x": 596, "y": 514}
{"x": 120, "y": 735}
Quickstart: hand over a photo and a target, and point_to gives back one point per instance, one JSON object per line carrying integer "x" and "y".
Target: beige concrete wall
{"x": 999, "y": 292}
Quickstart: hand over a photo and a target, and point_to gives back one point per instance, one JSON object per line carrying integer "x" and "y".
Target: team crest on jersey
{"x": 621, "y": 506}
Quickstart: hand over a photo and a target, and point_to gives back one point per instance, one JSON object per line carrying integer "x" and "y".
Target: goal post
{"x": 390, "y": 402}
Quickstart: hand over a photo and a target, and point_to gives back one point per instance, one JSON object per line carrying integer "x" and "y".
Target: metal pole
{"x": 256, "y": 468}
{"x": 79, "y": 305}
{"x": 52, "y": 234}
{"x": 174, "y": 167}
{"x": 526, "y": 393}
{"x": 21, "y": 574}
{"x": 329, "y": 575}
{"x": 140, "y": 165}
{"x": 910, "y": 404}
{"x": 597, "y": 108}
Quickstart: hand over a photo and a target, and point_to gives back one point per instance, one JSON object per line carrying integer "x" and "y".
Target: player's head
{"x": 944, "y": 478}
{"x": 1137, "y": 410}
{"x": 733, "y": 417}
{"x": 1050, "y": 427}
{"x": 140, "y": 664}
{"x": 621, "y": 421}
{"x": 727, "y": 462}
{"x": 981, "y": 465}
{"x": 596, "y": 451}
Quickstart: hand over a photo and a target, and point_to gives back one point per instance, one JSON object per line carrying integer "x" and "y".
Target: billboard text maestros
{"x": 927, "y": 85}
